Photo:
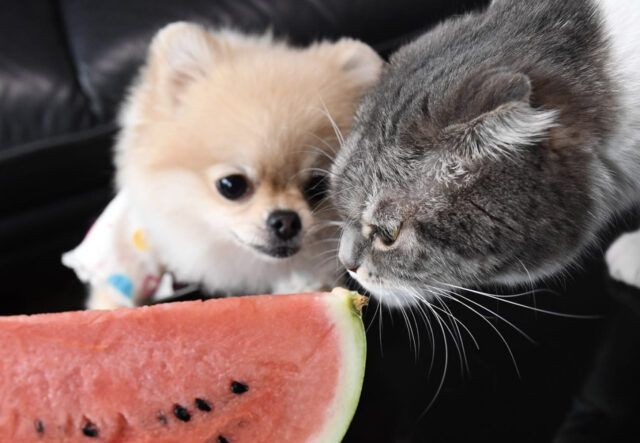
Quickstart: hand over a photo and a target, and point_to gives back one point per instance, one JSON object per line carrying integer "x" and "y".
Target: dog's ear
{"x": 358, "y": 60}
{"x": 180, "y": 53}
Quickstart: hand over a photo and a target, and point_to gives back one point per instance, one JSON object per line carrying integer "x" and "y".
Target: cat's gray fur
{"x": 491, "y": 148}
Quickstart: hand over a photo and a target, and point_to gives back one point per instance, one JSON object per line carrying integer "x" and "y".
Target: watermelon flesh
{"x": 277, "y": 368}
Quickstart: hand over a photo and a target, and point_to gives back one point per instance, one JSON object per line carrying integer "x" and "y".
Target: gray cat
{"x": 494, "y": 148}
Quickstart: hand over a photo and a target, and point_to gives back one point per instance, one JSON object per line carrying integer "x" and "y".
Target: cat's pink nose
{"x": 353, "y": 269}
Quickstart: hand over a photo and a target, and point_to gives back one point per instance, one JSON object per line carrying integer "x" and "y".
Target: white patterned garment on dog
{"x": 116, "y": 255}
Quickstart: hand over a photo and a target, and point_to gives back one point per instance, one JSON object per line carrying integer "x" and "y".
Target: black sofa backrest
{"x": 65, "y": 64}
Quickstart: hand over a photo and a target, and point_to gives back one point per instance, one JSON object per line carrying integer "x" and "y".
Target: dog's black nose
{"x": 284, "y": 224}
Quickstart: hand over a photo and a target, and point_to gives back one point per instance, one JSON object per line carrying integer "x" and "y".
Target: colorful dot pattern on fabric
{"x": 122, "y": 283}
{"x": 118, "y": 255}
{"x": 140, "y": 240}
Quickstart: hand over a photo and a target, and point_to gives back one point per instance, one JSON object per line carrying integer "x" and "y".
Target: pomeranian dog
{"x": 221, "y": 165}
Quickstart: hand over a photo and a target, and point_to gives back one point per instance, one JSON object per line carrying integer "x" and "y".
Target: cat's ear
{"x": 500, "y": 118}
{"x": 494, "y": 88}
{"x": 179, "y": 54}
{"x": 357, "y": 59}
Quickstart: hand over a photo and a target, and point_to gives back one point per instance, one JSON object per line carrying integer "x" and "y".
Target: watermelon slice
{"x": 282, "y": 368}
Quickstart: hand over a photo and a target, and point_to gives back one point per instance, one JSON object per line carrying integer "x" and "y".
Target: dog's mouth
{"x": 273, "y": 251}
{"x": 277, "y": 251}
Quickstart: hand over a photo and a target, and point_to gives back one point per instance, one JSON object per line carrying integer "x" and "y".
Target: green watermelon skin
{"x": 283, "y": 368}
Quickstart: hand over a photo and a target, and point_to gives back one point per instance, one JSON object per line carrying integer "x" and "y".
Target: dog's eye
{"x": 315, "y": 190}
{"x": 233, "y": 187}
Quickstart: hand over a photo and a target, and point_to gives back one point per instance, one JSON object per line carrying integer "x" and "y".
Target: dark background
{"x": 64, "y": 66}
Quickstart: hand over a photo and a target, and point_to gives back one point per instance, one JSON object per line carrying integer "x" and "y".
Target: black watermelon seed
{"x": 90, "y": 430}
{"x": 162, "y": 418}
{"x": 181, "y": 413}
{"x": 221, "y": 439}
{"x": 39, "y": 427}
{"x": 239, "y": 388}
{"x": 203, "y": 405}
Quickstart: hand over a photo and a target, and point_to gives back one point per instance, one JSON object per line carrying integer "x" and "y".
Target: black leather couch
{"x": 64, "y": 66}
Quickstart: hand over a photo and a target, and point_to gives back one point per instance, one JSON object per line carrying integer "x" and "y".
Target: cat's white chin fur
{"x": 390, "y": 295}
{"x": 623, "y": 259}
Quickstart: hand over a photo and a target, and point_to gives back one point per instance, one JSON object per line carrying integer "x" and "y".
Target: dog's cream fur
{"x": 210, "y": 104}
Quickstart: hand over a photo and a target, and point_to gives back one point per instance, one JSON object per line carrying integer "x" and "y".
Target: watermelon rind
{"x": 345, "y": 308}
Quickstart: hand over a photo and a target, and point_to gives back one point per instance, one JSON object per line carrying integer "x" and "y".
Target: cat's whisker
{"x": 339, "y": 278}
{"x": 326, "y": 261}
{"x": 318, "y": 194}
{"x": 500, "y": 296}
{"x": 326, "y": 225}
{"x": 330, "y": 222}
{"x": 334, "y": 125}
{"x": 491, "y": 325}
{"x": 320, "y": 261}
{"x": 495, "y": 314}
{"x": 430, "y": 333}
{"x": 327, "y": 249}
{"x": 319, "y": 151}
{"x": 324, "y": 172}
{"x": 322, "y": 203}
{"x": 409, "y": 328}
{"x": 459, "y": 345}
{"x": 322, "y": 211}
{"x": 464, "y": 363}
{"x": 457, "y": 320}
{"x": 324, "y": 207}
{"x": 446, "y": 364}
{"x": 456, "y": 337}
{"x": 523, "y": 294}
{"x": 316, "y": 230}
{"x": 531, "y": 286}
{"x": 300, "y": 172}
{"x": 332, "y": 148}
{"x": 425, "y": 319}
{"x": 401, "y": 311}
{"x": 417, "y": 329}
{"x": 373, "y": 317}
{"x": 322, "y": 152}
{"x": 505, "y": 300}
{"x": 318, "y": 227}
{"x": 322, "y": 241}
{"x": 333, "y": 246}
{"x": 324, "y": 253}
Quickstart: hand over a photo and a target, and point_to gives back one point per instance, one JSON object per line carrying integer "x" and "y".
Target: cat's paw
{"x": 623, "y": 259}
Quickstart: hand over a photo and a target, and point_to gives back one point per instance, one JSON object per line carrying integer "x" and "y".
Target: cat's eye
{"x": 386, "y": 237}
{"x": 233, "y": 187}
{"x": 315, "y": 190}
